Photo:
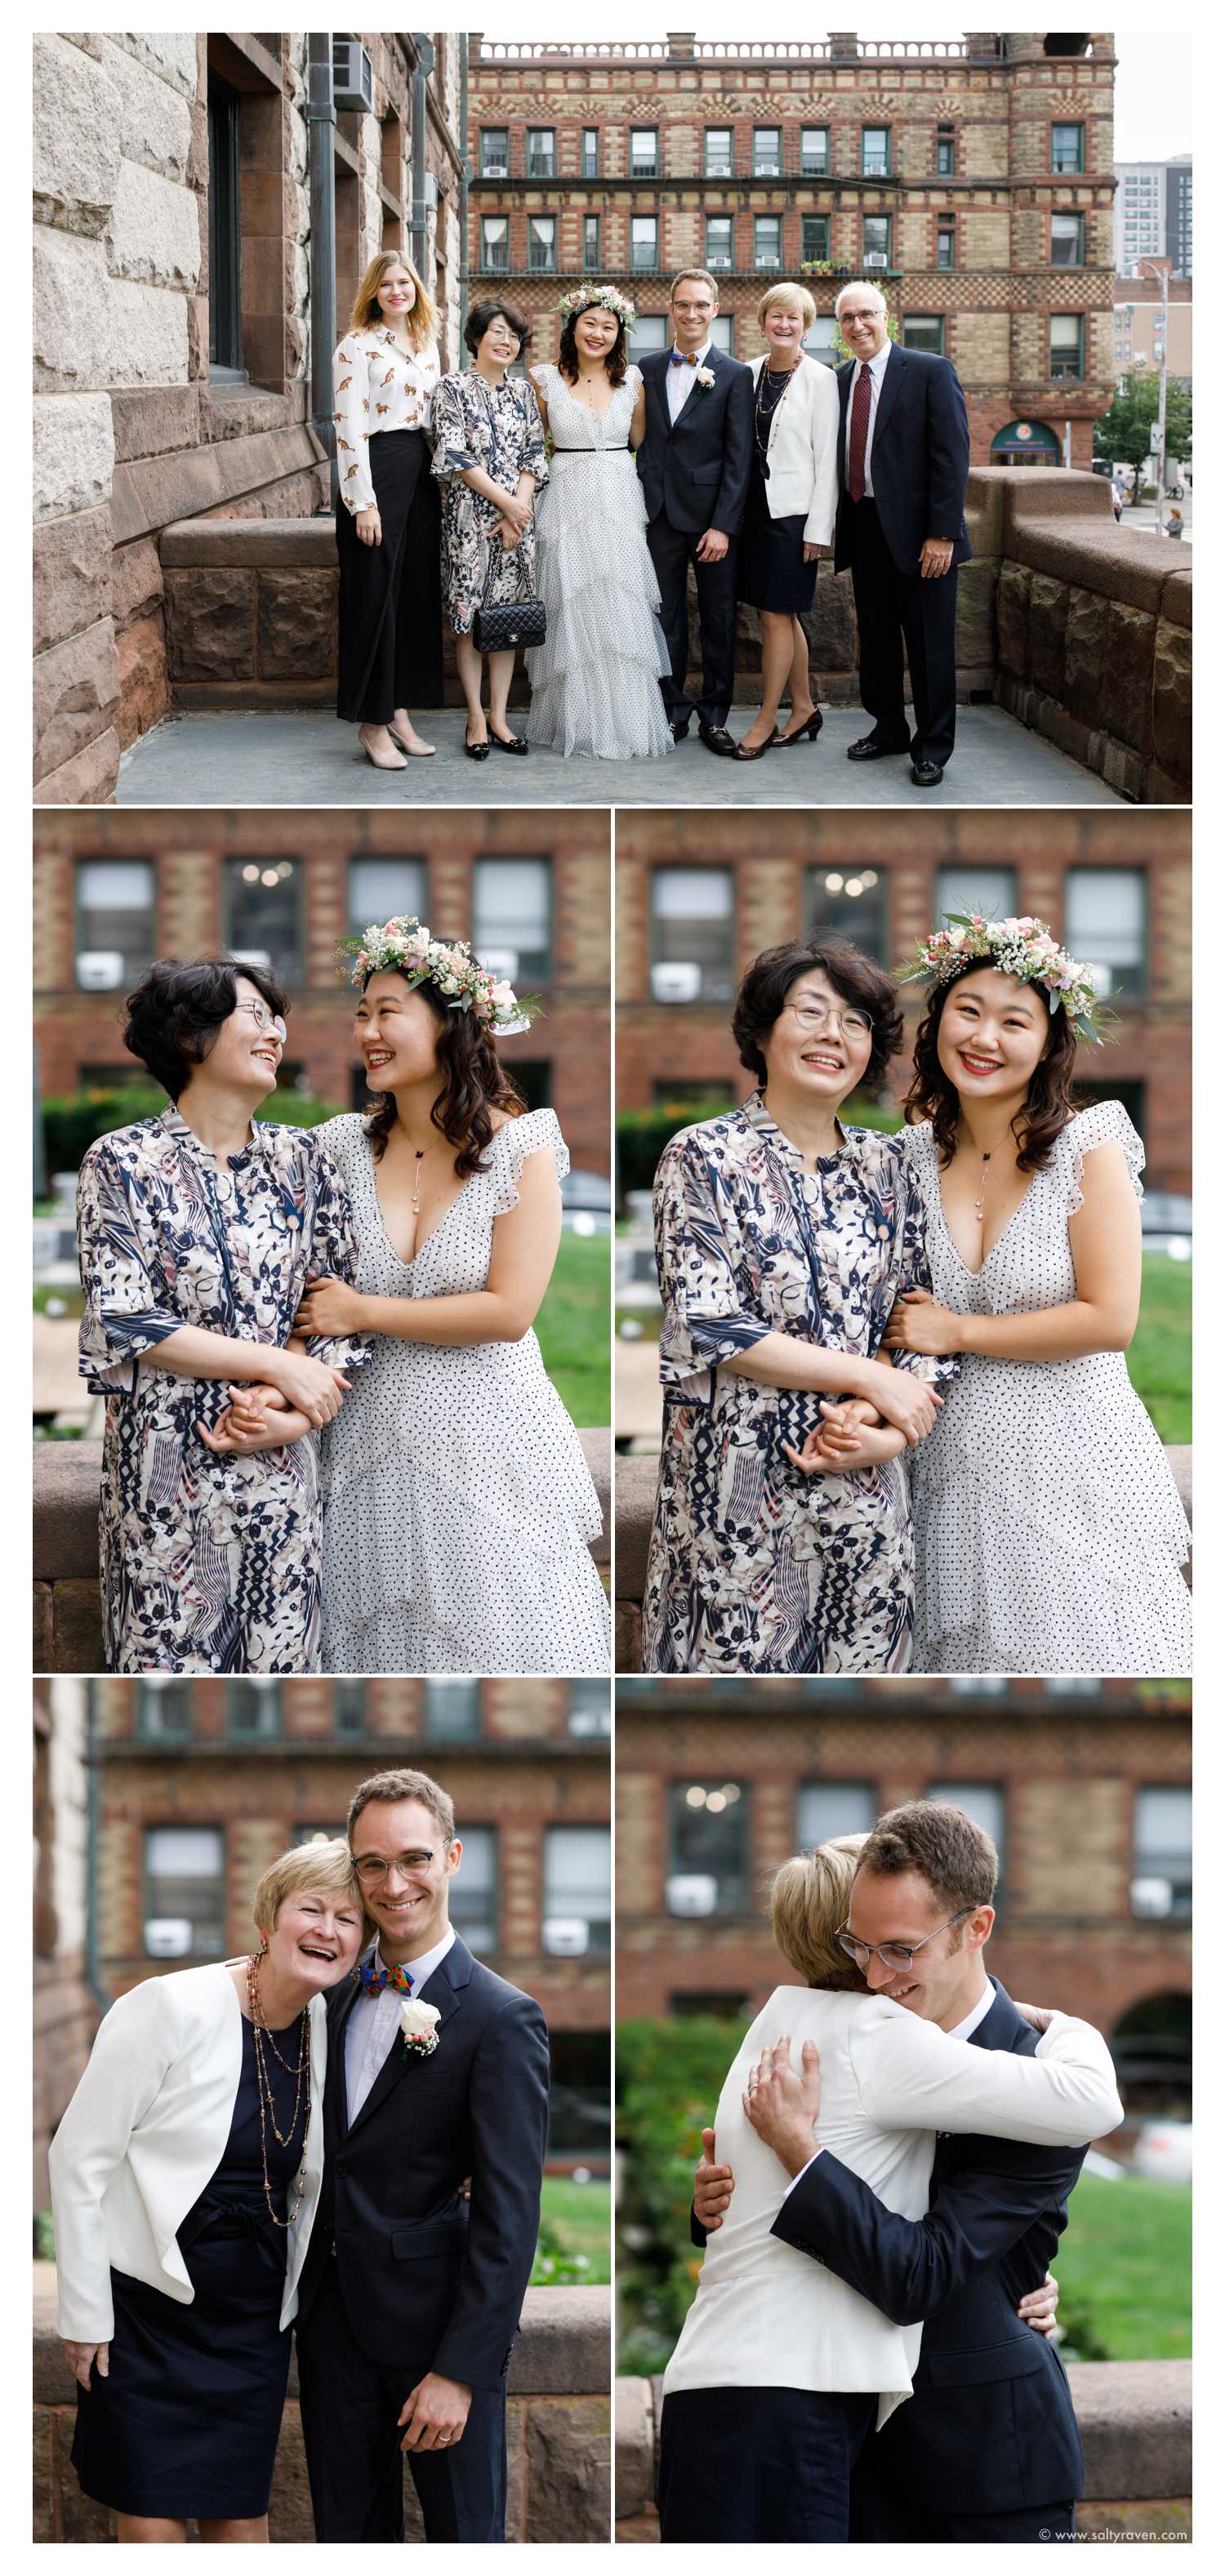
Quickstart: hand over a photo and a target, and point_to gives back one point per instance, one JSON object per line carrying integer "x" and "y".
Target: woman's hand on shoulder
{"x": 81, "y": 2357}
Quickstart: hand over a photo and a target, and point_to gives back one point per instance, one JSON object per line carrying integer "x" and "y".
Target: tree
{"x": 1124, "y": 434}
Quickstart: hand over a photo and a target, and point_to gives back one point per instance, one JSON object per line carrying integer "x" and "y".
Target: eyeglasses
{"x": 862, "y": 313}
{"x": 892, "y": 1954}
{"x": 820, "y": 1015}
{"x": 372, "y": 1871}
{"x": 265, "y": 1019}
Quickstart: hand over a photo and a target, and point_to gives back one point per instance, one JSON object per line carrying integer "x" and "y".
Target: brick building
{"x": 1084, "y": 1787}
{"x": 65, "y": 2009}
{"x": 174, "y": 296}
{"x": 113, "y": 890}
{"x": 202, "y": 1783}
{"x": 693, "y": 911}
{"x": 1138, "y": 319}
{"x": 974, "y": 180}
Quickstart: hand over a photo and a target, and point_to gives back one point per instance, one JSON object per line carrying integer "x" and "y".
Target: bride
{"x": 595, "y": 679}
{"x": 458, "y": 1507}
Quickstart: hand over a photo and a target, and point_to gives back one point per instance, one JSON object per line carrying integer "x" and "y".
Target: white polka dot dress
{"x": 1049, "y": 1535}
{"x": 457, "y": 1503}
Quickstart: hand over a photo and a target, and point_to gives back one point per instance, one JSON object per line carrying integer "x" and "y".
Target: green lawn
{"x": 1124, "y": 2271}
{"x": 573, "y": 1329}
{"x": 1159, "y": 1361}
{"x": 574, "y": 2225}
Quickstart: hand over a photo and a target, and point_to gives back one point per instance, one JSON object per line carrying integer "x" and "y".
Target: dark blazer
{"x": 990, "y": 2427}
{"x": 697, "y": 473}
{"x": 430, "y": 2281}
{"x": 920, "y": 458}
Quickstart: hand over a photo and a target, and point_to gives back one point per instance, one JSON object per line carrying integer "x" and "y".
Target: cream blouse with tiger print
{"x": 377, "y": 387}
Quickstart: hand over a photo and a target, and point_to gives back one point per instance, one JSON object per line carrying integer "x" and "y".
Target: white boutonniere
{"x": 419, "y": 2026}
{"x": 704, "y": 377}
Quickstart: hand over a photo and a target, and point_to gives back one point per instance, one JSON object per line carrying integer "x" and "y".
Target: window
{"x": 1068, "y": 149}
{"x": 826, "y": 1808}
{"x": 650, "y": 331}
{"x": 1067, "y": 346}
{"x": 590, "y": 1711}
{"x": 767, "y": 241}
{"x": 983, "y": 1802}
{"x": 814, "y": 237}
{"x": 184, "y": 1892}
{"x": 316, "y": 1834}
{"x": 252, "y": 1711}
{"x": 473, "y": 1891}
{"x": 979, "y": 1685}
{"x": 263, "y": 914}
{"x": 591, "y": 243}
{"x": 348, "y": 1708}
{"x": 495, "y": 243}
{"x": 992, "y": 891}
{"x": 1161, "y": 1860}
{"x": 719, "y": 158}
{"x": 814, "y": 151}
{"x": 644, "y": 242}
{"x": 767, "y": 153}
{"x": 946, "y": 151}
{"x": 1104, "y": 917}
{"x": 495, "y": 152}
{"x": 692, "y": 935}
{"x": 542, "y": 244}
{"x": 452, "y": 1710}
{"x": 224, "y": 229}
{"x": 924, "y": 331}
{"x": 877, "y": 241}
{"x": 719, "y": 251}
{"x": 541, "y": 152}
{"x": 708, "y": 1866}
{"x": 1067, "y": 241}
{"x": 821, "y": 341}
{"x": 946, "y": 241}
{"x": 591, "y": 152}
{"x": 874, "y": 160}
{"x": 383, "y": 889}
{"x": 721, "y": 332}
{"x": 644, "y": 151}
{"x": 577, "y": 1891}
{"x": 163, "y": 1711}
{"x": 1074, "y": 1686}
{"x": 116, "y": 931}
{"x": 512, "y": 905}
{"x": 850, "y": 903}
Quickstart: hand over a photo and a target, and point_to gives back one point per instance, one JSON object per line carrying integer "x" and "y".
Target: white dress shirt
{"x": 876, "y": 367}
{"x": 681, "y": 381}
{"x": 977, "y": 2012}
{"x": 377, "y": 388}
{"x": 374, "y": 2023}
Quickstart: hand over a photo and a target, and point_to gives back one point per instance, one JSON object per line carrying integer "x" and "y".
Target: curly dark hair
{"x": 1048, "y": 1102}
{"x": 567, "y": 355}
{"x": 473, "y": 1083}
{"x": 513, "y": 315}
{"x": 859, "y": 981}
{"x": 177, "y": 1009}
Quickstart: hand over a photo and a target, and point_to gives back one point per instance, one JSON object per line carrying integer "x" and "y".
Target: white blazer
{"x": 803, "y": 450}
{"x": 145, "y": 2131}
{"x": 767, "y": 2316}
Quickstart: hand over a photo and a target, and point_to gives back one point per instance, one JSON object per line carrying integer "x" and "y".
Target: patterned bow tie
{"x": 374, "y": 1979}
{"x": 688, "y": 358}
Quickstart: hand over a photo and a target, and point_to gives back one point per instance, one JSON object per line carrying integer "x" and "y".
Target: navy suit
{"x": 695, "y": 475}
{"x": 987, "y": 2447}
{"x": 919, "y": 464}
{"x": 404, "y": 2275}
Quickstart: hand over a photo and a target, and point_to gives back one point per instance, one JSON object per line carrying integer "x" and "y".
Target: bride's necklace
{"x": 584, "y": 392}
{"x": 415, "y": 1202}
{"x": 979, "y": 1202}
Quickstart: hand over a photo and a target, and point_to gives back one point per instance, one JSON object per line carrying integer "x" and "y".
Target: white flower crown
{"x": 406, "y": 947}
{"x": 1021, "y": 946}
{"x": 609, "y": 298}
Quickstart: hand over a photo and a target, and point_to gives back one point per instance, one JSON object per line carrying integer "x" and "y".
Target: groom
{"x": 438, "y": 2072}
{"x": 987, "y": 2446}
{"x": 694, "y": 463}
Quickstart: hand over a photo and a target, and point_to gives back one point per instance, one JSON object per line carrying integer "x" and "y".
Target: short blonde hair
{"x": 696, "y": 277}
{"x": 785, "y": 293}
{"x": 327, "y": 1866}
{"x": 422, "y": 321}
{"x": 808, "y": 1903}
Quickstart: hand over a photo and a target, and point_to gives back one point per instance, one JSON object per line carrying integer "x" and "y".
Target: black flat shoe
{"x": 679, "y": 732}
{"x": 476, "y": 750}
{"x": 762, "y": 748}
{"x": 511, "y": 742}
{"x": 806, "y": 732}
{"x": 870, "y": 749}
{"x": 717, "y": 738}
{"x": 926, "y": 773}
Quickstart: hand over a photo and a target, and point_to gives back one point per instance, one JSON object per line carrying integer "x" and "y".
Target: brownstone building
{"x": 530, "y": 889}
{"x": 65, "y": 2008}
{"x": 202, "y": 1783}
{"x": 972, "y": 179}
{"x": 693, "y": 911}
{"x": 1084, "y": 1786}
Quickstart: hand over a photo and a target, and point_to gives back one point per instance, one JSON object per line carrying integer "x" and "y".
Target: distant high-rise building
{"x": 1178, "y": 213}
{"x": 1152, "y": 213}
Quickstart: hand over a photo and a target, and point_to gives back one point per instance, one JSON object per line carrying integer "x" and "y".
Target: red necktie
{"x": 861, "y": 413}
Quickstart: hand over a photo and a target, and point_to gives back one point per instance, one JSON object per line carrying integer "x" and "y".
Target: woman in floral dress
{"x": 198, "y": 1233}
{"x": 783, "y": 1240}
{"x": 489, "y": 457}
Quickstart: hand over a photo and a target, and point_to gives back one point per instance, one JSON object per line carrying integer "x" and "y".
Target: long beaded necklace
{"x": 263, "y": 2085}
{"x": 778, "y": 384}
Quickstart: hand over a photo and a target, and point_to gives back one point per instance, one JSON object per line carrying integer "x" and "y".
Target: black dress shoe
{"x": 869, "y": 748}
{"x": 762, "y": 747}
{"x": 476, "y": 750}
{"x": 679, "y": 731}
{"x": 509, "y": 742}
{"x": 717, "y": 738}
{"x": 927, "y": 773}
{"x": 806, "y": 732}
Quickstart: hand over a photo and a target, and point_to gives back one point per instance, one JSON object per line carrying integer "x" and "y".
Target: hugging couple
{"x": 338, "y": 2133}
{"x": 868, "y": 2356}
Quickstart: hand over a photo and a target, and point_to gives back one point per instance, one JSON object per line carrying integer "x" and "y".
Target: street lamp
{"x": 1163, "y": 273}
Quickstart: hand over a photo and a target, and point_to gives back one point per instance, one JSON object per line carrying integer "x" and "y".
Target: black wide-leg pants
{"x": 893, "y": 606}
{"x": 672, "y": 551}
{"x": 350, "y": 2410}
{"x": 390, "y": 620}
{"x": 759, "y": 2464}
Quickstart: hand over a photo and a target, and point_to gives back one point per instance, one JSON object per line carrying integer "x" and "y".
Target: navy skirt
{"x": 770, "y": 567}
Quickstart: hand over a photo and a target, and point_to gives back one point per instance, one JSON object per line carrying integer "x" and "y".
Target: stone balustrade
{"x": 558, "y": 2434}
{"x": 1135, "y": 2425}
{"x": 67, "y": 1604}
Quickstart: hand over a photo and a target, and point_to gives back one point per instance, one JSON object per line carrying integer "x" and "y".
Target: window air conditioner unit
{"x": 496, "y": 170}
{"x": 875, "y": 259}
{"x": 565, "y": 1936}
{"x": 99, "y": 970}
{"x": 679, "y": 983}
{"x": 352, "y": 76}
{"x": 168, "y": 1936}
{"x": 692, "y": 1895}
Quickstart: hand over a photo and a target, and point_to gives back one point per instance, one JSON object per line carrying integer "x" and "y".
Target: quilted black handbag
{"x": 502, "y": 627}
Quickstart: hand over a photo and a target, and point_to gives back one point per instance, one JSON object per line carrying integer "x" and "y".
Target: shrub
{"x": 72, "y": 1121}
{"x": 643, "y": 1133}
{"x": 669, "y": 2075}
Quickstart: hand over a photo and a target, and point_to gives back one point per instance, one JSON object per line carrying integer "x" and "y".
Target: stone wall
{"x": 67, "y": 1605}
{"x": 558, "y": 2434}
{"x": 1135, "y": 2424}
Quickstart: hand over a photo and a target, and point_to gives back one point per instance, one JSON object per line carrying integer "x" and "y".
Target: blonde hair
{"x": 422, "y": 321}
{"x": 808, "y": 1903}
{"x": 785, "y": 293}
{"x": 325, "y": 1865}
{"x": 695, "y": 277}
